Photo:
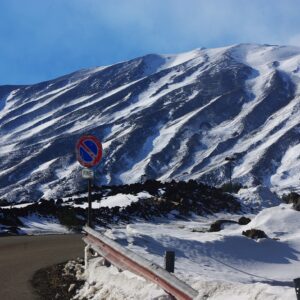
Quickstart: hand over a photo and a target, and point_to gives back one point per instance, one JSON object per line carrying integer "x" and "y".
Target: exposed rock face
{"x": 217, "y": 225}
{"x": 244, "y": 220}
{"x": 180, "y": 199}
{"x": 297, "y": 205}
{"x": 255, "y": 234}
{"x": 292, "y": 198}
{"x": 163, "y": 116}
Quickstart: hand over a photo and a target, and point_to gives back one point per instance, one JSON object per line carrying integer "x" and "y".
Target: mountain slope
{"x": 166, "y": 116}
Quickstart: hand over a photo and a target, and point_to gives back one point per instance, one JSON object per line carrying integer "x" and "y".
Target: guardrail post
{"x": 170, "y": 261}
{"x": 297, "y": 287}
{"x": 87, "y": 256}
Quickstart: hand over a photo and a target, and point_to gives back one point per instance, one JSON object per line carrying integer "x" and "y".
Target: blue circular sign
{"x": 88, "y": 151}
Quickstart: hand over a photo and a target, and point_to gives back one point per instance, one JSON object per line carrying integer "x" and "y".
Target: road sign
{"x": 88, "y": 151}
{"x": 87, "y": 173}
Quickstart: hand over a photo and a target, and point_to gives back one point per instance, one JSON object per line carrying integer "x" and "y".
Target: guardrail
{"x": 125, "y": 259}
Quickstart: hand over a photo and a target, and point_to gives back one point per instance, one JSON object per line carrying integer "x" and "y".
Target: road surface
{"x": 21, "y": 256}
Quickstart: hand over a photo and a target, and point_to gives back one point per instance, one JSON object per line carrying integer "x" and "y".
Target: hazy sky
{"x": 43, "y": 39}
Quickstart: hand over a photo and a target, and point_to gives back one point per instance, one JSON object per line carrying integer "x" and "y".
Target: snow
{"x": 37, "y": 129}
{"x": 65, "y": 171}
{"x": 109, "y": 283}
{"x": 219, "y": 290}
{"x": 120, "y": 200}
{"x": 287, "y": 174}
{"x": 173, "y": 60}
{"x": 61, "y": 173}
{"x": 258, "y": 197}
{"x": 252, "y": 155}
{"x": 10, "y": 170}
{"x": 219, "y": 265}
{"x": 287, "y": 230}
{"x": 8, "y": 103}
{"x": 47, "y": 100}
{"x": 44, "y": 166}
{"x": 260, "y": 58}
{"x": 39, "y": 103}
{"x": 35, "y": 224}
{"x": 22, "y": 205}
{"x": 166, "y": 133}
{"x": 123, "y": 200}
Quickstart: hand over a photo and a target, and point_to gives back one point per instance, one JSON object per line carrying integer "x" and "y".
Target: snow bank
{"x": 109, "y": 283}
{"x": 35, "y": 224}
{"x": 258, "y": 197}
{"x": 219, "y": 265}
{"x": 219, "y": 290}
{"x": 279, "y": 222}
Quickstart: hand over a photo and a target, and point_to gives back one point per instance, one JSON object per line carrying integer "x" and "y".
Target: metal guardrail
{"x": 125, "y": 259}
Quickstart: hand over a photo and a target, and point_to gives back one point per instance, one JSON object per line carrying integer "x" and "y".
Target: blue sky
{"x": 43, "y": 39}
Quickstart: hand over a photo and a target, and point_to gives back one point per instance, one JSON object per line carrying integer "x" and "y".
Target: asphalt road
{"x": 21, "y": 256}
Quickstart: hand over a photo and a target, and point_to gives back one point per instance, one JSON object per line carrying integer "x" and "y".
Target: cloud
{"x": 171, "y": 23}
{"x": 44, "y": 39}
{"x": 294, "y": 40}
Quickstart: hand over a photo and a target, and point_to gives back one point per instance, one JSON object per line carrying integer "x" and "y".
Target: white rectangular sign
{"x": 87, "y": 174}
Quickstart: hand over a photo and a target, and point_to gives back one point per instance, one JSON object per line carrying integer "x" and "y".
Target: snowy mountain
{"x": 165, "y": 116}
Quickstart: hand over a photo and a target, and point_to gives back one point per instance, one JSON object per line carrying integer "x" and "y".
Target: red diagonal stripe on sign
{"x": 87, "y": 149}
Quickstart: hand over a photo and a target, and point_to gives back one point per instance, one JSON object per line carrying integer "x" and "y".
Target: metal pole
{"x": 89, "y": 222}
{"x": 230, "y": 171}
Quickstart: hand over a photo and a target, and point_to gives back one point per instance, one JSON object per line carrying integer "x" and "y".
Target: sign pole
{"x": 230, "y": 173}
{"x": 90, "y": 222}
{"x": 89, "y": 154}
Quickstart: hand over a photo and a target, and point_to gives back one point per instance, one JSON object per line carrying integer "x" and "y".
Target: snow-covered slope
{"x": 219, "y": 265}
{"x": 166, "y": 116}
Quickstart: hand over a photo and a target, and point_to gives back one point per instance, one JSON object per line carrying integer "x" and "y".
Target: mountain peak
{"x": 164, "y": 116}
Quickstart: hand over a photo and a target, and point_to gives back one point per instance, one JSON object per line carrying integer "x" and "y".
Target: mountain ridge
{"x": 163, "y": 116}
